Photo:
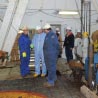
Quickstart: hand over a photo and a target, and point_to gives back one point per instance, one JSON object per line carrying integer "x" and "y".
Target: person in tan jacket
{"x": 58, "y": 33}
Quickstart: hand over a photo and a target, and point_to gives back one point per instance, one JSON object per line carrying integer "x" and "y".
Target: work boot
{"x": 48, "y": 85}
{"x": 97, "y": 90}
{"x": 43, "y": 75}
{"x": 36, "y": 75}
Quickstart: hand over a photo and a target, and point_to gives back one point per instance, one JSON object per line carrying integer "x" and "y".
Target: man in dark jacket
{"x": 51, "y": 51}
{"x": 69, "y": 44}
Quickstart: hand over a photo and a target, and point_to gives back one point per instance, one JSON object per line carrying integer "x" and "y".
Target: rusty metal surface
{"x": 64, "y": 88}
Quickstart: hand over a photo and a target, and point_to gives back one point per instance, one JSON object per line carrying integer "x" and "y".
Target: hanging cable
{"x": 42, "y": 1}
{"x": 80, "y": 14}
{"x": 78, "y": 9}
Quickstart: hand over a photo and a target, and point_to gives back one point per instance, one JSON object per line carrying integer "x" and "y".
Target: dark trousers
{"x": 69, "y": 54}
{"x": 51, "y": 68}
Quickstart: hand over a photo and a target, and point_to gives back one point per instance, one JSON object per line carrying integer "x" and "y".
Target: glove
{"x": 24, "y": 54}
{"x": 31, "y": 46}
{"x": 97, "y": 66}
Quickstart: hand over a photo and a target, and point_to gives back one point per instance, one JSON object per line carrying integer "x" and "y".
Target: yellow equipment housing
{"x": 95, "y": 46}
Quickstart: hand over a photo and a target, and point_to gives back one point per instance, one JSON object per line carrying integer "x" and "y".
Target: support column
{"x": 7, "y": 21}
{"x": 14, "y": 27}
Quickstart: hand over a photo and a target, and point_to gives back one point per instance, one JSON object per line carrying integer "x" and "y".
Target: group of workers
{"x": 48, "y": 47}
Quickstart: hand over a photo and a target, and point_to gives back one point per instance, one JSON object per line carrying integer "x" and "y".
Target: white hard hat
{"x": 58, "y": 32}
{"x": 78, "y": 31}
{"x": 47, "y": 26}
{"x": 68, "y": 28}
{"x": 20, "y": 31}
{"x": 57, "y": 29}
{"x": 24, "y": 28}
{"x": 38, "y": 27}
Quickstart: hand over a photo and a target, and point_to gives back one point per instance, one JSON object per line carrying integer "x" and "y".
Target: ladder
{"x": 32, "y": 58}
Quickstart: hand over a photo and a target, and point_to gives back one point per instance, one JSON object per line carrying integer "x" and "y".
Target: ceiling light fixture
{"x": 68, "y": 12}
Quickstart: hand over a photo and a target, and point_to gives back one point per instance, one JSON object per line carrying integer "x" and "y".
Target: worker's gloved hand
{"x": 24, "y": 54}
{"x": 97, "y": 66}
{"x": 31, "y": 46}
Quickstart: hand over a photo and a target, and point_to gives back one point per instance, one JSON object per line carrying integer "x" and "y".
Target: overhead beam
{"x": 15, "y": 25}
{"x": 7, "y": 21}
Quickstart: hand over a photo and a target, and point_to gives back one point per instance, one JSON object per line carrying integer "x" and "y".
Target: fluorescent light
{"x": 68, "y": 12}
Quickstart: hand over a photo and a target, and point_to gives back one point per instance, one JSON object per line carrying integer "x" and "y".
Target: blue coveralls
{"x": 95, "y": 68}
{"x": 38, "y": 41}
{"x": 69, "y": 43}
{"x": 51, "y": 51}
{"x": 24, "y": 46}
{"x": 86, "y": 67}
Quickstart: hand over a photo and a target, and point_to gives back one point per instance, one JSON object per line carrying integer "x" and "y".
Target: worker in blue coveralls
{"x": 24, "y": 47}
{"x": 38, "y": 41}
{"x": 95, "y": 47}
{"x": 51, "y": 51}
{"x": 69, "y": 44}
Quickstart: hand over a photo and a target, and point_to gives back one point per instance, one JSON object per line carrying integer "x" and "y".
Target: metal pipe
{"x": 89, "y": 18}
{"x": 81, "y": 16}
{"x": 90, "y": 51}
{"x": 86, "y": 17}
